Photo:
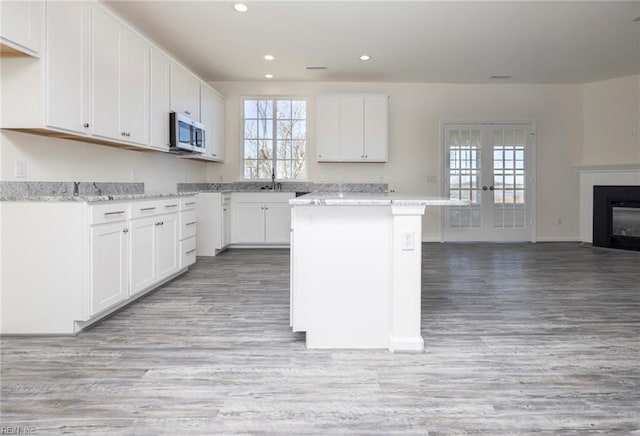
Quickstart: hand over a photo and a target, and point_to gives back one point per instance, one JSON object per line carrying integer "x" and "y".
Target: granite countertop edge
{"x": 373, "y": 200}
{"x": 95, "y": 198}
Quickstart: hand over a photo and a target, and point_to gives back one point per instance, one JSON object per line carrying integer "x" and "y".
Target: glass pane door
{"x": 488, "y": 166}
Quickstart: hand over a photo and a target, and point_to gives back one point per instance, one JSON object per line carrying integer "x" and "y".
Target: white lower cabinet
{"x": 214, "y": 222}
{"x": 113, "y": 252}
{"x": 109, "y": 265}
{"x": 261, "y": 218}
{"x": 154, "y": 249}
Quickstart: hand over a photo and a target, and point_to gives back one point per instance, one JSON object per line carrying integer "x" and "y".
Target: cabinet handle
{"x": 190, "y": 251}
{"x": 190, "y": 204}
{"x": 122, "y": 133}
{"x": 119, "y": 212}
{"x": 128, "y": 133}
{"x": 85, "y": 125}
{"x": 144, "y": 209}
{"x": 171, "y": 205}
{"x": 187, "y": 112}
{"x": 319, "y": 156}
{"x": 125, "y": 230}
{"x": 191, "y": 223}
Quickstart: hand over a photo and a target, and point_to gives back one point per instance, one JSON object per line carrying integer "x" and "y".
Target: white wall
{"x": 415, "y": 115}
{"x": 52, "y": 159}
{"x": 611, "y": 111}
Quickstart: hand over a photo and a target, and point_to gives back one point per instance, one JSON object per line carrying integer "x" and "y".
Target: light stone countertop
{"x": 363, "y": 199}
{"x": 95, "y": 198}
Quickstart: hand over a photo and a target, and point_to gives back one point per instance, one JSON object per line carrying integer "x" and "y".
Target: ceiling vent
{"x": 316, "y": 68}
{"x": 499, "y": 77}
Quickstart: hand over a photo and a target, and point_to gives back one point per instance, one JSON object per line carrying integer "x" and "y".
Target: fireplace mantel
{"x": 593, "y": 175}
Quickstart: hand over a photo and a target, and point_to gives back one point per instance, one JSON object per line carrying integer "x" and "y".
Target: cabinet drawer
{"x": 154, "y": 207}
{"x": 187, "y": 224}
{"x": 108, "y": 213}
{"x": 187, "y": 252}
{"x": 188, "y": 203}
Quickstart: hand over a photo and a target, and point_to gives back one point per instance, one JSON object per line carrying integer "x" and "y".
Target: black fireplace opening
{"x": 616, "y": 217}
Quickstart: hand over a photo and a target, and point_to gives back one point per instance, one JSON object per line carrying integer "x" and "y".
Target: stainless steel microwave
{"x": 186, "y": 135}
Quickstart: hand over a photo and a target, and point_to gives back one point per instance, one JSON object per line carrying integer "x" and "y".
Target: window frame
{"x": 274, "y": 159}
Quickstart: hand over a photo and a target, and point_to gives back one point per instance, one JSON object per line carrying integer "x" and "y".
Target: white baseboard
{"x": 559, "y": 239}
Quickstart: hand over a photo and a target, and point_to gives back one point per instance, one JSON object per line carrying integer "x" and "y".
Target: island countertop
{"x": 373, "y": 199}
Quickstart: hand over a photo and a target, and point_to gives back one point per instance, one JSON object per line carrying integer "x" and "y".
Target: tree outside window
{"x": 274, "y": 138}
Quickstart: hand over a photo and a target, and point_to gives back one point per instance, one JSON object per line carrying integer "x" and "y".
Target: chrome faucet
{"x": 273, "y": 180}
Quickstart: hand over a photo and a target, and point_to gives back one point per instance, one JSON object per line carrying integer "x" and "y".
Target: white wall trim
{"x": 559, "y": 239}
{"x": 619, "y": 168}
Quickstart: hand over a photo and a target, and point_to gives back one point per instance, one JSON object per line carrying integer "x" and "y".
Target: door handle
{"x": 484, "y": 188}
{"x": 490, "y": 188}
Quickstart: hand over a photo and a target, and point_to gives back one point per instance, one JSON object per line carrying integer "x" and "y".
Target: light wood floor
{"x": 520, "y": 338}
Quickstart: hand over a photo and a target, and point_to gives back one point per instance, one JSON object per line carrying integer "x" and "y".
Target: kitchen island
{"x": 356, "y": 269}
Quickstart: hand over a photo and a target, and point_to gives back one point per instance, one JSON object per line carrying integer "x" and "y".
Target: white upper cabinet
{"x": 212, "y": 116}
{"x": 120, "y": 81}
{"x": 352, "y": 128}
{"x": 68, "y": 36}
{"x": 185, "y": 92}
{"x": 160, "y": 99}
{"x": 97, "y": 79}
{"x": 21, "y": 27}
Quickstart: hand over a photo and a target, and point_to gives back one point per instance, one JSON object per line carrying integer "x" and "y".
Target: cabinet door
{"x": 109, "y": 265}
{"x": 212, "y": 116}
{"x": 351, "y": 128}
{"x": 68, "y": 55}
{"x": 105, "y": 61}
{"x": 21, "y": 24}
{"x": 375, "y": 128}
{"x": 134, "y": 88}
{"x": 143, "y": 253}
{"x": 277, "y": 223}
{"x": 185, "y": 92}
{"x": 160, "y": 104}
{"x": 248, "y": 223}
{"x": 167, "y": 245}
{"x": 328, "y": 128}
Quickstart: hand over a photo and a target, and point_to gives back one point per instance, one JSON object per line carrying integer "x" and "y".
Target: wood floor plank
{"x": 519, "y": 339}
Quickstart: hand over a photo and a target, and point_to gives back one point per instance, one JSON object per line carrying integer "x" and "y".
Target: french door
{"x": 491, "y": 167}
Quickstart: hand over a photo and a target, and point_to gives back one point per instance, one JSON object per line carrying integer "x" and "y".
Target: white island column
{"x": 405, "y": 304}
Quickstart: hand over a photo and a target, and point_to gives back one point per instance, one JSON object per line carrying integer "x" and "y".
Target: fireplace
{"x": 616, "y": 217}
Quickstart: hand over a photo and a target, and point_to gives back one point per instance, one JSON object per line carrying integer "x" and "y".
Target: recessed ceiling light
{"x": 268, "y": 76}
{"x": 269, "y": 57}
{"x": 240, "y": 7}
{"x": 365, "y": 57}
{"x": 500, "y": 77}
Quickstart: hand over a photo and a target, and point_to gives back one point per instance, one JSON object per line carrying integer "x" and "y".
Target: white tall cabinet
{"x": 120, "y": 81}
{"x": 352, "y": 128}
{"x": 68, "y": 66}
{"x": 160, "y": 100}
{"x": 212, "y": 116}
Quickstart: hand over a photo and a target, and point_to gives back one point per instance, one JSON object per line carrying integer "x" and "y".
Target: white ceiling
{"x": 409, "y": 41}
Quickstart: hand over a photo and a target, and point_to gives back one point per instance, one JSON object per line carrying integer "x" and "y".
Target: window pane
{"x": 250, "y": 168}
{"x": 250, "y": 129}
{"x": 265, "y": 129}
{"x": 284, "y": 109}
{"x": 299, "y": 110}
{"x": 264, "y": 169}
{"x": 250, "y": 109}
{"x": 250, "y": 150}
{"x": 265, "y": 109}
{"x": 299, "y": 129}
{"x": 298, "y": 150}
{"x": 265, "y": 149}
{"x": 284, "y": 129}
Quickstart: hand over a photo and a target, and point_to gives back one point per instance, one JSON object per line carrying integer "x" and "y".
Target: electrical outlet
{"x": 431, "y": 179}
{"x": 406, "y": 241}
{"x": 21, "y": 169}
